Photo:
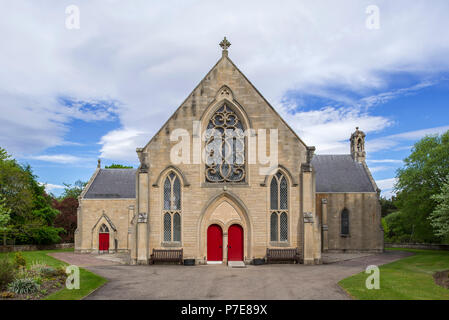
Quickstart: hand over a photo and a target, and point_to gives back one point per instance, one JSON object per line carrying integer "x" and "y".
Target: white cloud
{"x": 121, "y": 144}
{"x": 387, "y": 186}
{"x": 149, "y": 55}
{"x": 392, "y": 161}
{"x": 51, "y": 187}
{"x": 378, "y": 169}
{"x": 394, "y": 140}
{"x": 58, "y": 158}
{"x": 329, "y": 129}
{"x": 384, "y": 97}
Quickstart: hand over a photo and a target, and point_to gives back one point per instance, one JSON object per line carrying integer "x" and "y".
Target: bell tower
{"x": 358, "y": 145}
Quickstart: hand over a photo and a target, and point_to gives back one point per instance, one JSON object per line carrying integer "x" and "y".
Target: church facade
{"x": 205, "y": 184}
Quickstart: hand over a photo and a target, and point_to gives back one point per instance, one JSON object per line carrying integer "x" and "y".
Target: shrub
{"x": 38, "y": 280}
{"x": 19, "y": 260}
{"x": 7, "y": 295}
{"x": 24, "y": 273}
{"x": 42, "y": 269}
{"x": 48, "y": 272}
{"x": 24, "y": 286}
{"x": 60, "y": 272}
{"x": 7, "y": 272}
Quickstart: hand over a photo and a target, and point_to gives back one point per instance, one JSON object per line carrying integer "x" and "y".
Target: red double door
{"x": 215, "y": 243}
{"x": 103, "y": 241}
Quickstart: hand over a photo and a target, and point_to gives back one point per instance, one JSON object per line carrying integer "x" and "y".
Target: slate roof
{"x": 334, "y": 173}
{"x": 114, "y": 184}
{"x": 340, "y": 173}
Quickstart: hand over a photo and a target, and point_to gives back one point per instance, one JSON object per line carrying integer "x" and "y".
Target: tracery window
{"x": 345, "y": 222}
{"x": 225, "y": 147}
{"x": 278, "y": 208}
{"x": 104, "y": 229}
{"x": 172, "y": 208}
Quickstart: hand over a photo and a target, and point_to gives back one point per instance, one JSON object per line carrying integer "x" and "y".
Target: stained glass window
{"x": 225, "y": 147}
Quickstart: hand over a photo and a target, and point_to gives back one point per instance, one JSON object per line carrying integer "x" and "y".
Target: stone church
{"x": 225, "y": 204}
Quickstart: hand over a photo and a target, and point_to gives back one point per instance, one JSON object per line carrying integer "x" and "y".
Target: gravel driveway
{"x": 265, "y": 282}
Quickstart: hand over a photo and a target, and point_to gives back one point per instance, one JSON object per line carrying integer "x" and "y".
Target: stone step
{"x": 236, "y": 264}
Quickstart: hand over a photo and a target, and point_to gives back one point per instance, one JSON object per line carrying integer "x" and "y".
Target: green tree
{"x": 38, "y": 224}
{"x": 396, "y": 228}
{"x": 388, "y": 206}
{"x": 31, "y": 215}
{"x": 73, "y": 191}
{"x": 14, "y": 187}
{"x": 425, "y": 172}
{"x": 4, "y": 218}
{"x": 118, "y": 166}
{"x": 439, "y": 218}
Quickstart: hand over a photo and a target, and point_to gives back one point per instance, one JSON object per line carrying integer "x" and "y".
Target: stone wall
{"x": 33, "y": 247}
{"x": 116, "y": 214}
{"x": 197, "y": 196}
{"x": 423, "y": 246}
{"x": 365, "y": 230}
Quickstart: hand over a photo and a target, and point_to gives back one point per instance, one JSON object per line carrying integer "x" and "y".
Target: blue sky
{"x": 69, "y": 97}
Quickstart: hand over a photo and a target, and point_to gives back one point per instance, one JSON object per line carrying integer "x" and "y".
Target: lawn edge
{"x": 95, "y": 289}
{"x": 83, "y": 297}
{"x": 411, "y": 251}
{"x": 346, "y": 291}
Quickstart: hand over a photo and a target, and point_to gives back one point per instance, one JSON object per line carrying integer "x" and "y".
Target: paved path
{"x": 85, "y": 260}
{"x": 220, "y": 282}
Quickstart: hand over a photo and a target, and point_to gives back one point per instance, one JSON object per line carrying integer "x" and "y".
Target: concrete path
{"x": 220, "y": 282}
{"x": 85, "y": 260}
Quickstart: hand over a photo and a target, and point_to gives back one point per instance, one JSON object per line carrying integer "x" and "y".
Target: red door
{"x": 103, "y": 241}
{"x": 214, "y": 243}
{"x": 235, "y": 243}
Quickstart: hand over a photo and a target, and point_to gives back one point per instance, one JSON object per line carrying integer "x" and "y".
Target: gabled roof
{"x": 113, "y": 184}
{"x": 226, "y": 58}
{"x": 341, "y": 173}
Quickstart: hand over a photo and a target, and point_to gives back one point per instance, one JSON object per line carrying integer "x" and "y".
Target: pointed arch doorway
{"x": 229, "y": 218}
{"x": 214, "y": 244}
{"x": 235, "y": 243}
{"x": 103, "y": 239}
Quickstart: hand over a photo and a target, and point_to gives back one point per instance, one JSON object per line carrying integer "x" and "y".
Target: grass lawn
{"x": 88, "y": 281}
{"x": 410, "y": 278}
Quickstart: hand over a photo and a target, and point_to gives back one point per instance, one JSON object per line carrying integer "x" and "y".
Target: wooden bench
{"x": 164, "y": 255}
{"x": 283, "y": 255}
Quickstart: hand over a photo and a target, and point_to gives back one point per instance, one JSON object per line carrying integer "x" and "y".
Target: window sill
{"x": 223, "y": 184}
{"x": 174, "y": 244}
{"x": 345, "y": 235}
{"x": 279, "y": 244}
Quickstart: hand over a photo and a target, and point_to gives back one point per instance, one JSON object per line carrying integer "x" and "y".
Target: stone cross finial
{"x": 225, "y": 44}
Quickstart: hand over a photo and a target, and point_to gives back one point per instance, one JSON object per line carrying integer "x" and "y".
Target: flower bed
{"x": 33, "y": 282}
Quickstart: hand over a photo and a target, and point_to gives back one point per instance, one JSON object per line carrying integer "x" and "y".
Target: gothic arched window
{"x": 104, "y": 229}
{"x": 278, "y": 208}
{"x": 345, "y": 222}
{"x": 225, "y": 147}
{"x": 172, "y": 208}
